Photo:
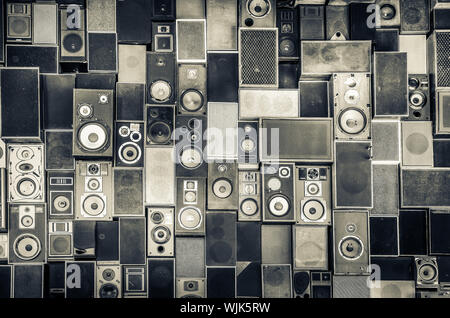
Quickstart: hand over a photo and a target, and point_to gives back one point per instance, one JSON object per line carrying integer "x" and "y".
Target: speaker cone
{"x": 93, "y": 205}
{"x": 160, "y": 90}
{"x": 19, "y": 26}
{"x": 313, "y": 210}
{"x": 72, "y": 43}
{"x": 279, "y": 205}
{"x": 27, "y": 186}
{"x": 191, "y": 100}
{"x": 159, "y": 132}
{"x": 387, "y": 12}
{"x": 109, "y": 291}
{"x": 92, "y": 136}
{"x": 249, "y": 207}
{"x": 417, "y": 143}
{"x": 27, "y": 247}
{"x": 287, "y": 47}
{"x": 352, "y": 121}
{"x": 190, "y": 218}
{"x": 108, "y": 274}
{"x": 417, "y": 100}
{"x": 60, "y": 244}
{"x": 191, "y": 157}
{"x": 427, "y": 272}
{"x": 351, "y": 247}
{"x": 161, "y": 234}
{"x": 258, "y": 8}
{"x": 222, "y": 188}
{"x": 129, "y": 153}
{"x": 301, "y": 282}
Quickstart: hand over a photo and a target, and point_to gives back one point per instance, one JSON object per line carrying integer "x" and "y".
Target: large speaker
{"x": 257, "y": 13}
{"x": 419, "y": 97}
{"x": 248, "y": 144}
{"x": 130, "y": 100}
{"x": 27, "y": 233}
{"x": 276, "y": 243}
{"x": 383, "y": 236}
{"x": 128, "y": 192}
{"x": 417, "y": 144}
{"x": 129, "y": 144}
{"x": 84, "y": 239}
{"x": 102, "y": 52}
{"x": 93, "y": 122}
{"x": 132, "y": 240}
{"x": 58, "y": 150}
{"x": 442, "y": 112}
{"x": 109, "y": 281}
{"x": 276, "y": 281}
{"x": 101, "y": 15}
{"x": 272, "y": 103}
{"x": 192, "y": 98}
{"x": 132, "y": 67}
{"x": 190, "y": 207}
{"x": 107, "y": 241}
{"x": 221, "y": 137}
{"x": 248, "y": 236}
{"x": 161, "y": 278}
{"x": 161, "y": 88}
{"x": 57, "y": 100}
{"x": 45, "y": 22}
{"x": 386, "y": 188}
{"x": 222, "y": 186}
{"x": 416, "y": 48}
{"x": 44, "y": 57}
{"x": 351, "y": 242}
{"x": 55, "y": 280}
{"x": 60, "y": 240}
{"x": 159, "y": 176}
{"x": 225, "y": 277}
{"x": 438, "y": 57}
{"x": 414, "y": 16}
{"x": 337, "y": 22}
{"x": 312, "y": 22}
{"x": 80, "y": 279}
{"x": 72, "y": 34}
{"x": 412, "y": 232}
{"x": 249, "y": 195}
{"x": 133, "y": 21}
{"x": 160, "y": 232}
{"x": 394, "y": 289}
{"x": 386, "y": 40}
{"x": 314, "y": 99}
{"x": 221, "y": 29}
{"x": 385, "y": 140}
{"x": 190, "y": 288}
{"x": 190, "y": 256}
{"x": 160, "y": 125}
{"x": 18, "y": 22}
{"x": 288, "y": 30}
{"x": 28, "y": 281}
{"x": 221, "y": 238}
{"x": 222, "y": 77}
{"x": 163, "y": 10}
{"x": 441, "y": 19}
{"x": 310, "y": 247}
{"x": 191, "y": 40}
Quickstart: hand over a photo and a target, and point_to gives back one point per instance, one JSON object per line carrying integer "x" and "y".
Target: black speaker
{"x": 222, "y": 186}
{"x": 161, "y": 87}
{"x": 248, "y": 143}
{"x": 441, "y": 152}
{"x": 419, "y": 97}
{"x": 190, "y": 206}
{"x": 163, "y": 37}
{"x": 337, "y": 22}
{"x": 102, "y": 50}
{"x": 80, "y": 279}
{"x": 161, "y": 278}
{"x": 60, "y": 194}
{"x": 163, "y": 10}
{"x": 360, "y": 14}
{"x": 28, "y": 281}
{"x": 55, "y": 280}
{"x": 415, "y": 16}
{"x": 276, "y": 281}
{"x": 314, "y": 99}
{"x": 84, "y": 239}
{"x": 288, "y": 30}
{"x": 222, "y": 77}
{"x": 439, "y": 226}
{"x": 96, "y": 80}
{"x": 383, "y": 236}
{"x": 288, "y": 75}
{"x": 441, "y": 20}
{"x": 192, "y": 93}
{"x": 72, "y": 39}
{"x": 132, "y": 240}
{"x": 225, "y": 277}
{"x": 133, "y": 21}
{"x": 6, "y": 278}
{"x": 18, "y": 24}
{"x": 412, "y": 227}
{"x": 301, "y": 284}
{"x": 128, "y": 192}
{"x": 57, "y": 100}
{"x": 160, "y": 125}
{"x": 248, "y": 279}
{"x": 248, "y": 242}
{"x": 312, "y": 22}
{"x": 2, "y": 35}
{"x": 395, "y": 268}
{"x": 107, "y": 241}
{"x": 130, "y": 100}
{"x": 58, "y": 150}
{"x": 43, "y": 57}
{"x": 386, "y": 40}
{"x": 221, "y": 238}
{"x": 129, "y": 144}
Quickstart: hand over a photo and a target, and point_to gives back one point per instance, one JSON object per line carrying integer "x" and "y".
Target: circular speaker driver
{"x": 249, "y": 207}
{"x": 351, "y": 247}
{"x": 287, "y": 47}
{"x": 191, "y": 100}
{"x": 93, "y": 205}
{"x": 417, "y": 100}
{"x": 427, "y": 272}
{"x": 191, "y": 157}
{"x": 222, "y": 188}
{"x": 61, "y": 245}
{"x": 92, "y": 136}
{"x": 108, "y": 291}
{"x": 190, "y": 218}
{"x": 27, "y": 187}
{"x": 417, "y": 143}
{"x": 108, "y": 274}
{"x": 159, "y": 132}
{"x": 27, "y": 246}
{"x": 161, "y": 234}
{"x": 279, "y": 205}
{"x": 72, "y": 43}
{"x": 387, "y": 12}
{"x": 19, "y": 25}
{"x": 160, "y": 90}
{"x": 313, "y": 210}
{"x": 258, "y": 8}
{"x": 129, "y": 153}
{"x": 352, "y": 121}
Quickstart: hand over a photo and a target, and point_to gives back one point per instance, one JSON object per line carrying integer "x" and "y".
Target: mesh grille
{"x": 258, "y": 57}
{"x": 443, "y": 59}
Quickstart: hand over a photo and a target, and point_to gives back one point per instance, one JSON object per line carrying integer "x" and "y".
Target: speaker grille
{"x": 443, "y": 59}
{"x": 258, "y": 58}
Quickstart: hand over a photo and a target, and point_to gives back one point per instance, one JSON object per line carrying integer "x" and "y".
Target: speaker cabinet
{"x": 385, "y": 140}
{"x": 93, "y": 190}
{"x": 386, "y": 187}
{"x": 84, "y": 239}
{"x": 221, "y": 30}
{"x": 383, "y": 236}
{"x": 416, "y": 48}
{"x": 27, "y": 231}
{"x": 442, "y": 121}
{"x": 389, "y": 13}
{"x": 163, "y": 10}
{"x": 258, "y": 57}
{"x": 313, "y": 195}
{"x": 351, "y": 242}
{"x": 352, "y": 184}
{"x": 414, "y": 16}
{"x": 80, "y": 279}
{"x": 221, "y": 238}
{"x": 417, "y": 144}
{"x": 18, "y": 22}
{"x": 101, "y": 15}
{"x": 159, "y": 176}
{"x": 28, "y": 281}
{"x": 190, "y": 257}
{"x": 248, "y": 237}
{"x": 301, "y": 283}
{"x": 190, "y": 207}
{"x": 276, "y": 281}
{"x": 352, "y": 105}
{"x": 192, "y": 90}
{"x": 57, "y": 100}
{"x": 72, "y": 37}
{"x": 135, "y": 281}
{"x": 160, "y": 125}
{"x": 132, "y": 63}
{"x": 438, "y": 56}
{"x": 190, "y": 288}
{"x": 60, "y": 194}
{"x": 20, "y": 103}
{"x": 164, "y": 37}
{"x": 58, "y": 150}
{"x": 439, "y": 223}
{"x": 276, "y": 243}
{"x": 54, "y": 280}
{"x": 288, "y": 30}
{"x": 441, "y": 152}
{"x": 161, "y": 278}
{"x": 288, "y": 74}
{"x": 194, "y": 9}
{"x": 272, "y": 103}
{"x": 106, "y": 81}
{"x": 2, "y": 35}
{"x": 128, "y": 192}
{"x": 161, "y": 88}
{"x": 222, "y": 77}
{"x": 248, "y": 279}
{"x": 3, "y": 154}
{"x": 129, "y": 139}
{"x": 337, "y": 24}
{"x": 312, "y": 22}
{"x": 222, "y": 186}
{"x": 350, "y": 287}
{"x": 130, "y": 100}
{"x": 419, "y": 97}
{"x": 310, "y": 247}
{"x": 26, "y": 173}
{"x": 427, "y": 274}
{"x": 3, "y": 204}
{"x": 257, "y": 13}
{"x": 132, "y": 239}
{"x": 314, "y": 99}
{"x": 398, "y": 268}
{"x": 160, "y": 232}
{"x": 102, "y": 52}
{"x": 60, "y": 240}
{"x": 44, "y": 57}
{"x": 386, "y": 40}
{"x": 191, "y": 40}
{"x": 412, "y": 232}
{"x": 248, "y": 144}
{"x": 133, "y": 19}
{"x": 221, "y": 137}
{"x": 225, "y": 277}
{"x": 360, "y": 13}
{"x": 92, "y": 122}
{"x": 441, "y": 19}
{"x": 45, "y": 21}
{"x": 321, "y": 284}
{"x": 4, "y": 247}
{"x": 394, "y": 289}
{"x": 249, "y": 195}
{"x": 109, "y": 281}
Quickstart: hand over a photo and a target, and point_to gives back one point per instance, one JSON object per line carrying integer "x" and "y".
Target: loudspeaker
{"x": 441, "y": 152}
{"x": 109, "y": 281}
{"x": 322, "y": 58}
{"x": 307, "y": 140}
{"x": 222, "y": 186}
{"x": 439, "y": 224}
{"x": 414, "y": 16}
{"x": 314, "y": 99}
{"x": 301, "y": 283}
{"x": 19, "y": 88}
{"x": 191, "y": 92}
{"x": 190, "y": 256}
{"x": 80, "y": 279}
{"x": 60, "y": 194}
{"x": 427, "y": 274}
{"x": 57, "y": 100}
{"x": 288, "y": 30}
{"x": 276, "y": 243}
{"x": 248, "y": 279}
{"x": 313, "y": 195}
{"x": 337, "y": 22}
{"x": 412, "y": 232}
{"x": 389, "y": 13}
{"x": 28, "y": 281}
{"x": 225, "y": 277}
{"x": 132, "y": 63}
{"x": 161, "y": 87}
{"x": 385, "y": 140}
{"x": 101, "y": 15}
{"x": 45, "y": 22}
{"x": 161, "y": 278}
{"x": 248, "y": 144}
{"x": 7, "y": 279}
{"x": 191, "y": 40}
{"x": 442, "y": 112}
{"x": 163, "y": 10}
{"x": 438, "y": 55}
{"x": 107, "y": 241}
{"x": 276, "y": 281}
{"x": 134, "y": 281}
{"x": 258, "y": 57}
{"x": 133, "y": 18}
{"x": 189, "y": 145}
{"x": 419, "y": 97}
{"x": 91, "y": 80}
{"x": 93, "y": 190}
{"x": 190, "y": 288}
{"x": 4, "y": 247}
{"x": 312, "y": 22}
{"x": 18, "y": 27}
{"x": 383, "y": 236}
{"x": 360, "y": 14}
{"x": 221, "y": 29}
{"x": 385, "y": 189}
{"x": 130, "y": 100}
{"x": 163, "y": 37}
{"x": 26, "y": 173}
{"x": 160, "y": 231}
{"x": 272, "y": 103}
{"x": 27, "y": 233}
{"x": 128, "y": 192}
{"x": 288, "y": 74}
{"x": 351, "y": 287}
{"x": 92, "y": 122}
{"x": 55, "y": 280}
{"x": 416, "y": 48}
{"x": 352, "y": 184}
{"x": 44, "y": 57}
{"x": 249, "y": 196}
{"x": 190, "y": 207}
{"x": 321, "y": 284}
{"x": 257, "y": 13}
{"x": 386, "y": 40}
{"x": 351, "y": 242}
{"x": 248, "y": 237}
{"x": 84, "y": 239}
{"x": 194, "y": 9}
{"x": 102, "y": 52}
{"x": 394, "y": 289}
{"x": 221, "y": 238}
{"x": 58, "y": 150}
{"x": 310, "y": 247}
{"x": 129, "y": 139}
{"x": 222, "y": 77}
{"x": 440, "y": 18}
{"x": 221, "y": 137}
{"x": 443, "y": 267}
{"x": 417, "y": 144}
{"x": 60, "y": 240}
{"x": 159, "y": 176}
{"x": 160, "y": 125}
{"x": 72, "y": 37}
{"x": 132, "y": 242}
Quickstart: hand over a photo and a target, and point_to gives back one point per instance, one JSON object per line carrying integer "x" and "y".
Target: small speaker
{"x": 58, "y": 150}
{"x": 419, "y": 97}
{"x": 222, "y": 186}
{"x": 164, "y": 37}
{"x": 109, "y": 281}
{"x": 276, "y": 281}
{"x": 248, "y": 279}
{"x": 248, "y": 144}
{"x": 222, "y": 77}
{"x": 417, "y": 144}
{"x": 258, "y": 13}
{"x": 310, "y": 247}
{"x": 133, "y": 18}
{"x": 60, "y": 240}
{"x": 288, "y": 30}
{"x": 221, "y": 29}
{"x": 101, "y": 15}
{"x": 84, "y": 241}
{"x": 190, "y": 288}
{"x": 337, "y": 22}
{"x": 440, "y": 18}
{"x": 225, "y": 277}
{"x": 72, "y": 38}
{"x": 159, "y": 176}
{"x": 91, "y": 80}
{"x": 163, "y": 10}
{"x": 55, "y": 280}
{"x": 412, "y": 232}
{"x": 249, "y": 196}
{"x": 161, "y": 278}
{"x": 312, "y": 22}
{"x": 221, "y": 238}
{"x": 80, "y": 274}
{"x": 350, "y": 287}
{"x": 132, "y": 67}
{"x": 128, "y": 192}
{"x": 160, "y": 232}
{"x": 129, "y": 147}
{"x": 276, "y": 243}
{"x": 441, "y": 152}
{"x": 161, "y": 88}
{"x": 248, "y": 238}
{"x": 321, "y": 284}
{"x": 190, "y": 257}
{"x": 414, "y": 16}
{"x": 7, "y": 279}
{"x": 60, "y": 194}
{"x": 386, "y": 40}
{"x": 272, "y": 103}
{"x": 383, "y": 236}
{"x": 192, "y": 98}
{"x": 135, "y": 281}
{"x": 442, "y": 123}
{"x": 439, "y": 224}
{"x": 438, "y": 56}
{"x": 18, "y": 22}
{"x": 45, "y": 22}
{"x": 28, "y": 281}
{"x": 314, "y": 99}
{"x": 130, "y": 100}
{"x": 190, "y": 207}
{"x": 389, "y": 13}
{"x": 301, "y": 284}
{"x": 386, "y": 187}
{"x": 44, "y": 57}
{"x": 416, "y": 48}
{"x": 102, "y": 52}
{"x": 394, "y": 289}
{"x": 160, "y": 125}
{"x": 191, "y": 40}
{"x": 288, "y": 74}
{"x": 427, "y": 274}
{"x": 385, "y": 140}
{"x": 132, "y": 240}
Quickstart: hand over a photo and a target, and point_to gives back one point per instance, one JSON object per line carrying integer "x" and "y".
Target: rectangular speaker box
{"x": 128, "y": 192}
{"x": 163, "y": 10}
{"x": 102, "y": 52}
{"x": 105, "y": 286}
{"x": 441, "y": 20}
{"x": 419, "y": 99}
{"x": 439, "y": 4}
{"x": 130, "y": 100}
{"x": 394, "y": 289}
{"x": 160, "y": 125}
{"x": 341, "y": 56}
{"x": 43, "y": 57}
{"x": 80, "y": 279}
{"x": 222, "y": 186}
{"x": 223, "y": 129}
{"x": 444, "y": 269}
{"x": 390, "y": 20}
{"x": 107, "y": 241}
{"x": 281, "y": 287}
{"x": 439, "y": 226}
{"x": 28, "y": 281}
{"x": 276, "y": 244}
{"x": 84, "y": 239}
{"x": 191, "y": 90}
{"x": 129, "y": 144}
{"x": 190, "y": 252}
{"x": 417, "y": 144}
{"x": 249, "y": 195}
{"x": 101, "y": 15}
{"x": 222, "y": 77}
{"x": 6, "y": 278}
{"x": 310, "y": 247}
{"x": 190, "y": 206}
{"x": 161, "y": 278}
{"x": 288, "y": 74}
{"x": 248, "y": 242}
{"x": 45, "y": 22}
{"x": 194, "y": 9}
{"x": 159, "y": 176}
{"x": 414, "y": 16}
{"x": 221, "y": 29}
{"x": 438, "y": 56}
{"x": 394, "y": 268}
{"x": 257, "y": 14}
{"x": 272, "y": 103}
{"x": 133, "y": 18}
{"x": 385, "y": 140}
{"x": 360, "y": 14}
{"x": 57, "y": 100}
{"x": 350, "y": 287}
{"x": 2, "y": 35}
{"x": 60, "y": 240}
{"x": 58, "y": 150}
{"x": 191, "y": 40}
{"x": 132, "y": 240}
{"x": 310, "y": 140}
{"x": 431, "y": 191}
{"x": 312, "y": 22}
{"x": 301, "y": 284}
{"x": 248, "y": 144}
{"x": 337, "y": 22}
{"x": 221, "y": 249}
{"x": 386, "y": 40}
{"x": 288, "y": 30}
{"x": 4, "y": 243}
{"x": 135, "y": 281}
{"x": 314, "y": 100}
{"x": 19, "y": 88}
{"x": 163, "y": 37}
{"x": 321, "y": 284}
{"x": 190, "y": 287}
{"x": 18, "y": 24}
{"x": 416, "y": 48}
{"x": 441, "y": 152}
{"x": 412, "y": 232}
{"x": 160, "y": 231}
{"x": 132, "y": 63}
{"x": 383, "y": 236}
{"x": 60, "y": 194}
{"x": 258, "y": 57}
{"x": 385, "y": 189}
{"x": 225, "y": 277}
{"x": 96, "y": 80}
{"x": 161, "y": 85}
{"x": 442, "y": 112}
{"x": 352, "y": 186}
{"x": 72, "y": 35}
{"x": 248, "y": 279}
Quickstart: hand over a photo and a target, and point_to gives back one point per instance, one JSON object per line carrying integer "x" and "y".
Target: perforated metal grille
{"x": 443, "y": 59}
{"x": 258, "y": 58}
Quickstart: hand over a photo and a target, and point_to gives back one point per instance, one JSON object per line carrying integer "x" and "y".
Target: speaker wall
{"x": 417, "y": 144}
{"x": 161, "y": 278}
{"x": 221, "y": 239}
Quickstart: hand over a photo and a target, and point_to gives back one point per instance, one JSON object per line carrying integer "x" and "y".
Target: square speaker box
{"x": 72, "y": 36}
{"x": 440, "y": 18}
{"x": 442, "y": 112}
{"x": 191, "y": 40}
{"x": 414, "y": 16}
{"x": 163, "y": 10}
{"x": 128, "y": 192}
{"x": 249, "y": 195}
{"x": 417, "y": 144}
{"x": 360, "y": 13}
{"x": 28, "y": 281}
{"x": 102, "y": 52}
{"x": 389, "y": 13}
{"x": 190, "y": 206}
{"x": 310, "y": 247}
{"x": 18, "y": 24}
{"x": 321, "y": 284}
{"x": 276, "y": 243}
{"x": 60, "y": 240}
{"x": 194, "y": 9}
{"x": 288, "y": 29}
{"x": 45, "y": 23}
{"x": 386, "y": 40}
{"x": 221, "y": 238}
{"x": 438, "y": 56}
{"x": 441, "y": 152}
{"x": 58, "y": 150}
{"x": 350, "y": 287}
{"x": 190, "y": 288}
{"x": 257, "y": 14}
{"x": 164, "y": 37}
{"x": 130, "y": 101}
{"x": 84, "y": 240}
{"x": 248, "y": 279}
{"x": 312, "y": 22}
{"x": 248, "y": 144}
{"x": 337, "y": 23}
{"x": 132, "y": 63}
{"x": 314, "y": 99}
{"x": 288, "y": 74}
{"x": 419, "y": 97}
{"x": 107, "y": 241}
{"x": 159, "y": 170}
{"x": 160, "y": 125}
{"x": 101, "y": 15}
{"x": 384, "y": 236}
{"x": 161, "y": 278}
{"x": 133, "y": 21}
{"x": 222, "y": 26}
{"x": 107, "y": 287}
{"x": 415, "y": 45}
{"x": 60, "y": 194}
{"x": 385, "y": 189}
{"x": 135, "y": 281}
{"x": 248, "y": 236}
{"x": 225, "y": 277}
{"x": 191, "y": 90}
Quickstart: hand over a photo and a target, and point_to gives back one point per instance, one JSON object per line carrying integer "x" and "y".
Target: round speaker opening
{"x": 93, "y": 205}
{"x": 249, "y": 207}
{"x": 27, "y": 187}
{"x": 352, "y": 121}
{"x": 73, "y": 42}
{"x": 258, "y": 8}
{"x": 27, "y": 247}
{"x": 108, "y": 274}
{"x": 129, "y": 153}
{"x": 417, "y": 143}
{"x": 159, "y": 132}
{"x": 61, "y": 203}
{"x": 109, "y": 291}
{"x": 191, "y": 157}
{"x": 351, "y": 247}
{"x": 417, "y": 100}
{"x": 222, "y": 188}
{"x": 92, "y": 136}
{"x": 191, "y": 100}
{"x": 287, "y": 47}
{"x": 427, "y": 272}
{"x": 387, "y": 12}
{"x": 161, "y": 234}
{"x": 61, "y": 245}
{"x": 313, "y": 210}
{"x": 160, "y": 91}
{"x": 190, "y": 218}
{"x": 279, "y": 205}
{"x": 124, "y": 131}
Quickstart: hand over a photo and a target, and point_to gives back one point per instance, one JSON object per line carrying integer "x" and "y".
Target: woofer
{"x": 93, "y": 205}
{"x": 249, "y": 207}
{"x": 279, "y": 205}
{"x": 160, "y": 90}
{"x": 192, "y": 100}
{"x": 130, "y": 153}
{"x": 351, "y": 247}
{"x": 92, "y": 136}
{"x": 27, "y": 246}
{"x": 258, "y": 8}
{"x": 191, "y": 157}
{"x": 313, "y": 210}
{"x": 190, "y": 218}
{"x": 109, "y": 291}
{"x": 159, "y": 132}
{"x": 352, "y": 121}
{"x": 72, "y": 42}
{"x": 222, "y": 188}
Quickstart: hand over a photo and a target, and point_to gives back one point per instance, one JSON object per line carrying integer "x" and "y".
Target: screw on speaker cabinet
{"x": 160, "y": 231}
